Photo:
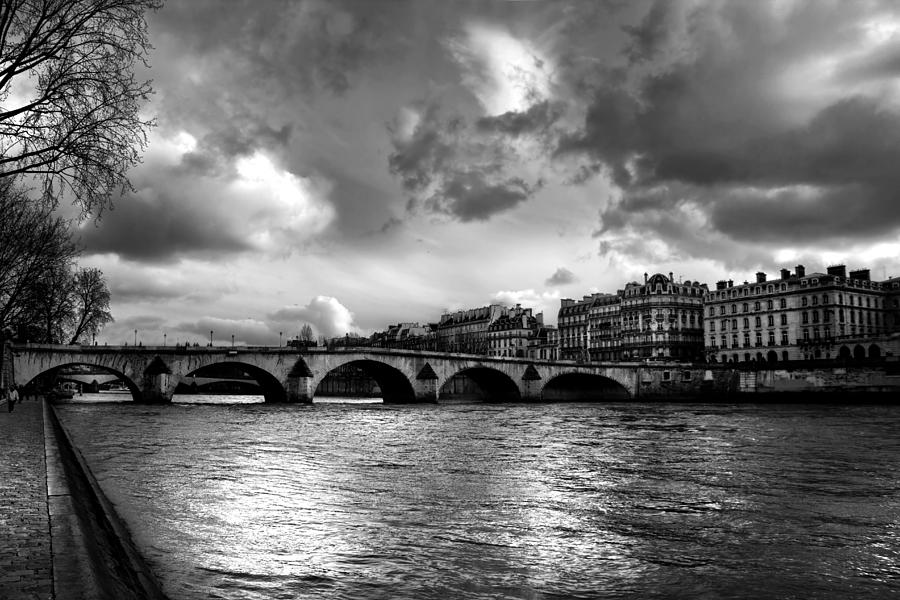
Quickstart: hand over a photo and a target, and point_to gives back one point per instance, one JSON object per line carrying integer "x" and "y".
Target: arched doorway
{"x": 874, "y": 351}
{"x": 772, "y": 356}
{"x": 581, "y": 387}
{"x": 859, "y": 353}
{"x": 844, "y": 353}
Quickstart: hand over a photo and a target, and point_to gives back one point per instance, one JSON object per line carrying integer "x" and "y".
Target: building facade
{"x": 573, "y": 322}
{"x": 798, "y": 316}
{"x": 510, "y": 334}
{"x": 544, "y": 345}
{"x": 662, "y": 318}
{"x": 605, "y": 327}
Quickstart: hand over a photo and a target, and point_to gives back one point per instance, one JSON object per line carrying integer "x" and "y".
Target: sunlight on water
{"x": 351, "y": 500}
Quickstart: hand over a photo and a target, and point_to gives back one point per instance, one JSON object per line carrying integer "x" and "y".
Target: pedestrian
{"x": 12, "y": 396}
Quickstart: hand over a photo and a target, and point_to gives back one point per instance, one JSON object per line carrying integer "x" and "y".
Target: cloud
{"x": 535, "y": 119}
{"x": 248, "y": 332}
{"x": 540, "y": 302}
{"x": 469, "y": 173}
{"x": 506, "y": 73}
{"x": 325, "y": 314}
{"x": 709, "y": 125}
{"x": 470, "y": 196}
{"x": 562, "y": 276}
{"x": 191, "y": 202}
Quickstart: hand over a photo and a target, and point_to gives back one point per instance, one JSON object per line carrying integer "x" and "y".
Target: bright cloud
{"x": 325, "y": 314}
{"x": 506, "y": 74}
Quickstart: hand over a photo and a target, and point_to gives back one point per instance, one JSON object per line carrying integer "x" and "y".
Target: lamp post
{"x": 210, "y": 338}
{"x": 232, "y": 340}
{"x": 164, "y": 340}
{"x": 279, "y": 339}
{"x": 135, "y": 337}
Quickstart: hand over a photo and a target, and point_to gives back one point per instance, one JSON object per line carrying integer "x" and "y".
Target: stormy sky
{"x": 353, "y": 164}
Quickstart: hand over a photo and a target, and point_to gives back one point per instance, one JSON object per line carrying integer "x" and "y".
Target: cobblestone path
{"x": 25, "y": 558}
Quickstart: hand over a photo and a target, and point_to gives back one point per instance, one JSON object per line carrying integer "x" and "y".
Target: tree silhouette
{"x": 69, "y": 101}
{"x": 90, "y": 300}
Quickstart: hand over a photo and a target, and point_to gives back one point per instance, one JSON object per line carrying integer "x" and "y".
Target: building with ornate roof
{"x": 662, "y": 318}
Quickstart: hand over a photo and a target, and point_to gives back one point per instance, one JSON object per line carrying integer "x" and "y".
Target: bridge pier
{"x": 426, "y": 390}
{"x": 531, "y": 391}
{"x": 299, "y": 390}
{"x": 157, "y": 389}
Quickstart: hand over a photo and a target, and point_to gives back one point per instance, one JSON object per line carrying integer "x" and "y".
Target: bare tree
{"x": 69, "y": 101}
{"x": 52, "y": 309}
{"x": 306, "y": 333}
{"x": 33, "y": 246}
{"x": 90, "y": 299}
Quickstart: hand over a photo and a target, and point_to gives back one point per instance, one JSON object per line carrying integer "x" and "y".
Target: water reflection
{"x": 504, "y": 501}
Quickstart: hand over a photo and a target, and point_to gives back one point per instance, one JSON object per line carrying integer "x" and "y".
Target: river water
{"x": 536, "y": 501}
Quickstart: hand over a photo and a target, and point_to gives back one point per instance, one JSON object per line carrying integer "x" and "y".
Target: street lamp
{"x": 232, "y": 340}
{"x": 279, "y": 339}
{"x": 135, "y": 337}
{"x": 164, "y": 339}
{"x": 210, "y": 338}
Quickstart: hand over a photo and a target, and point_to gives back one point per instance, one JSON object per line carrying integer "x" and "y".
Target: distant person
{"x": 12, "y": 396}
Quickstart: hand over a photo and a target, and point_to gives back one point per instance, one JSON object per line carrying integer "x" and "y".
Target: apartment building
{"x": 798, "y": 316}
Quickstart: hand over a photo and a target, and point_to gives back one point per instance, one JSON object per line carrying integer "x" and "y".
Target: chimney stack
{"x": 861, "y": 274}
{"x": 837, "y": 270}
{"x": 645, "y": 278}
{"x": 800, "y": 271}
{"x": 760, "y": 277}
{"x": 721, "y": 285}
{"x": 730, "y": 283}
{"x": 785, "y": 273}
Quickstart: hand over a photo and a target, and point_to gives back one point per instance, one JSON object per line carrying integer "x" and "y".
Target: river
{"x": 538, "y": 501}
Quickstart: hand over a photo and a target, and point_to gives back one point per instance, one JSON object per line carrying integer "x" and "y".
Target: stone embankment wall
{"x": 836, "y": 381}
{"x": 684, "y": 382}
{"x": 94, "y": 556}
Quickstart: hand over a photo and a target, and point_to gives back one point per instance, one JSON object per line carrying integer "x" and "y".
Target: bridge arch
{"x": 270, "y": 387}
{"x": 35, "y": 382}
{"x": 487, "y": 384}
{"x": 394, "y": 384}
{"x": 583, "y": 387}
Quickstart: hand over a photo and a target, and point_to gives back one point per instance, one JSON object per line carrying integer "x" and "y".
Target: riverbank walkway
{"x": 25, "y": 551}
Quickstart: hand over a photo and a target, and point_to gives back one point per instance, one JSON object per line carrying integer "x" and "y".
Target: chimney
{"x": 672, "y": 279}
{"x": 730, "y": 283}
{"x": 760, "y": 277}
{"x": 785, "y": 273}
{"x": 861, "y": 274}
{"x": 800, "y": 271}
{"x": 645, "y": 278}
{"x": 721, "y": 285}
{"x": 837, "y": 270}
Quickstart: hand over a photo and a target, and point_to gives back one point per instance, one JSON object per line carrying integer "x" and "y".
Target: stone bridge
{"x": 404, "y": 376}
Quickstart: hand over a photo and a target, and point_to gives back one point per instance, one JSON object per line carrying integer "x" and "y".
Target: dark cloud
{"x": 715, "y": 121}
{"x": 538, "y": 118}
{"x": 562, "y": 276}
{"x": 467, "y": 172}
{"x": 470, "y": 196}
{"x": 163, "y": 229}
